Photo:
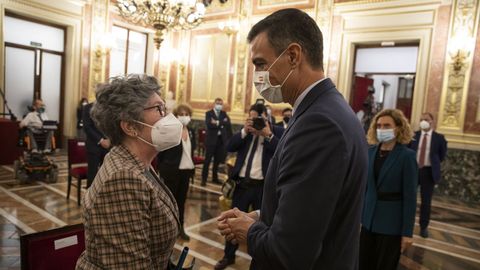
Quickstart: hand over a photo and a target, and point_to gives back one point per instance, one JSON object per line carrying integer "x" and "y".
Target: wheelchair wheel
{"x": 16, "y": 167}
{"x": 22, "y": 176}
{"x": 52, "y": 176}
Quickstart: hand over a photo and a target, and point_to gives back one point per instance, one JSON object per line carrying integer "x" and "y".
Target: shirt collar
{"x": 429, "y": 132}
{"x": 304, "y": 94}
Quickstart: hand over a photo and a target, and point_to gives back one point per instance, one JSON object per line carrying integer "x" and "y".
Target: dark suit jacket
{"x": 224, "y": 126}
{"x": 280, "y": 124}
{"x": 171, "y": 157}
{"x": 241, "y": 146}
{"x": 398, "y": 175}
{"x": 314, "y": 187}
{"x": 438, "y": 151}
{"x": 92, "y": 133}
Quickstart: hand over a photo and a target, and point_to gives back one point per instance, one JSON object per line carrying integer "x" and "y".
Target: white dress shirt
{"x": 186, "y": 162}
{"x": 427, "y": 162}
{"x": 256, "y": 170}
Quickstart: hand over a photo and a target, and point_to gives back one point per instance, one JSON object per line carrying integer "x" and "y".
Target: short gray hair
{"x": 122, "y": 99}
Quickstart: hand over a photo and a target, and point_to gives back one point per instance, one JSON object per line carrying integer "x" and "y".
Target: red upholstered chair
{"x": 202, "y": 134}
{"x": 56, "y": 249}
{"x": 199, "y": 158}
{"x": 77, "y": 159}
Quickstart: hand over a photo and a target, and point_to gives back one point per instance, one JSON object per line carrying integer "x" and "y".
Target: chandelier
{"x": 162, "y": 15}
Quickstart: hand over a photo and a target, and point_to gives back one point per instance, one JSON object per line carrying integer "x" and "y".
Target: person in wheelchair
{"x": 33, "y": 125}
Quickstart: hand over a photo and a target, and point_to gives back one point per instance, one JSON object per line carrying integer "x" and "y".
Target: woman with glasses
{"x": 130, "y": 216}
{"x": 176, "y": 164}
{"x": 390, "y": 200}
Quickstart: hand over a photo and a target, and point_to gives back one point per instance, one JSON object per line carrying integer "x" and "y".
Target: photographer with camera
{"x": 255, "y": 145}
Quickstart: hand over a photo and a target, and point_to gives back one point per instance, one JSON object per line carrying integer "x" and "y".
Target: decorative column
{"x": 461, "y": 43}
{"x": 98, "y": 50}
{"x": 237, "y": 112}
{"x": 323, "y": 17}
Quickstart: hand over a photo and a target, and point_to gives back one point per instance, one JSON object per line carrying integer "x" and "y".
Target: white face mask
{"x": 166, "y": 133}
{"x": 385, "y": 135}
{"x": 184, "y": 120}
{"x": 424, "y": 125}
{"x": 218, "y": 107}
{"x": 272, "y": 93}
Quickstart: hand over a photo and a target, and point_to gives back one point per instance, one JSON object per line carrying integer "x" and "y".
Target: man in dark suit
{"x": 431, "y": 148}
{"x": 270, "y": 116}
{"x": 314, "y": 186}
{"x": 219, "y": 130}
{"x": 255, "y": 146}
{"x": 97, "y": 145}
{"x": 287, "y": 115}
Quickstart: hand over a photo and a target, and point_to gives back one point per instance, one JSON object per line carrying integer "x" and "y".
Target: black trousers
{"x": 218, "y": 153}
{"x": 243, "y": 198}
{"x": 379, "y": 251}
{"x": 177, "y": 181}
{"x": 95, "y": 160}
{"x": 425, "y": 180}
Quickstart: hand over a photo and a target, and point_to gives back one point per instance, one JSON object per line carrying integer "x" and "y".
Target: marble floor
{"x": 454, "y": 241}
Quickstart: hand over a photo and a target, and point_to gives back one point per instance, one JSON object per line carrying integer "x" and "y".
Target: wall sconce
{"x": 104, "y": 45}
{"x": 460, "y": 47}
{"x": 229, "y": 27}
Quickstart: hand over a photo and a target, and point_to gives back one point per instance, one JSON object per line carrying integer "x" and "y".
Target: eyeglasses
{"x": 160, "y": 108}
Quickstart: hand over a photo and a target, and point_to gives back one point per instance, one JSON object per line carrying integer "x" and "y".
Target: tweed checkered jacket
{"x": 131, "y": 221}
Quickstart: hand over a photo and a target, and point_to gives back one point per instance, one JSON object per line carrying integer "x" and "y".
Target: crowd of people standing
{"x": 312, "y": 190}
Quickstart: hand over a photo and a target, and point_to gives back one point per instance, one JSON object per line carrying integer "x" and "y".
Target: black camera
{"x": 259, "y": 107}
{"x": 258, "y": 123}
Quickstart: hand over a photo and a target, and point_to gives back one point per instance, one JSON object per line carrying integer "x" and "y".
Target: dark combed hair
{"x": 292, "y": 25}
{"x": 259, "y": 108}
{"x": 286, "y": 110}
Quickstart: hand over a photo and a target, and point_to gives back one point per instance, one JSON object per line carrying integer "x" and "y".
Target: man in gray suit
{"x": 314, "y": 186}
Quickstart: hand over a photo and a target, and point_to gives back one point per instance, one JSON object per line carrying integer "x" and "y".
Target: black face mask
{"x": 286, "y": 119}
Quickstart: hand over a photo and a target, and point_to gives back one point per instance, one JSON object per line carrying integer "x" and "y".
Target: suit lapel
{"x": 214, "y": 115}
{"x": 391, "y": 159}
{"x": 168, "y": 202}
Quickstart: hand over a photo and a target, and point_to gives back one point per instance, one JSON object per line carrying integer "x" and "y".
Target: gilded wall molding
{"x": 240, "y": 82}
{"x": 324, "y": 17}
{"x": 97, "y": 54}
{"x": 464, "y": 26}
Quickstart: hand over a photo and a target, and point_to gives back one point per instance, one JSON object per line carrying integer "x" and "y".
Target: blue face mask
{"x": 218, "y": 107}
{"x": 385, "y": 135}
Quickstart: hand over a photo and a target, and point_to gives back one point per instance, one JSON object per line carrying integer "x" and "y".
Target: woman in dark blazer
{"x": 390, "y": 201}
{"x": 176, "y": 164}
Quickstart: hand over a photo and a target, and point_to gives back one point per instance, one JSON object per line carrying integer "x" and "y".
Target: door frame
{"x": 422, "y": 37}
{"x": 37, "y": 91}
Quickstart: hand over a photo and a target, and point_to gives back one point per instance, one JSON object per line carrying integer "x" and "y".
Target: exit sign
{"x": 35, "y": 44}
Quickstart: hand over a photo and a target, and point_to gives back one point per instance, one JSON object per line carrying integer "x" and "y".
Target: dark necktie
{"x": 250, "y": 158}
{"x": 423, "y": 151}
